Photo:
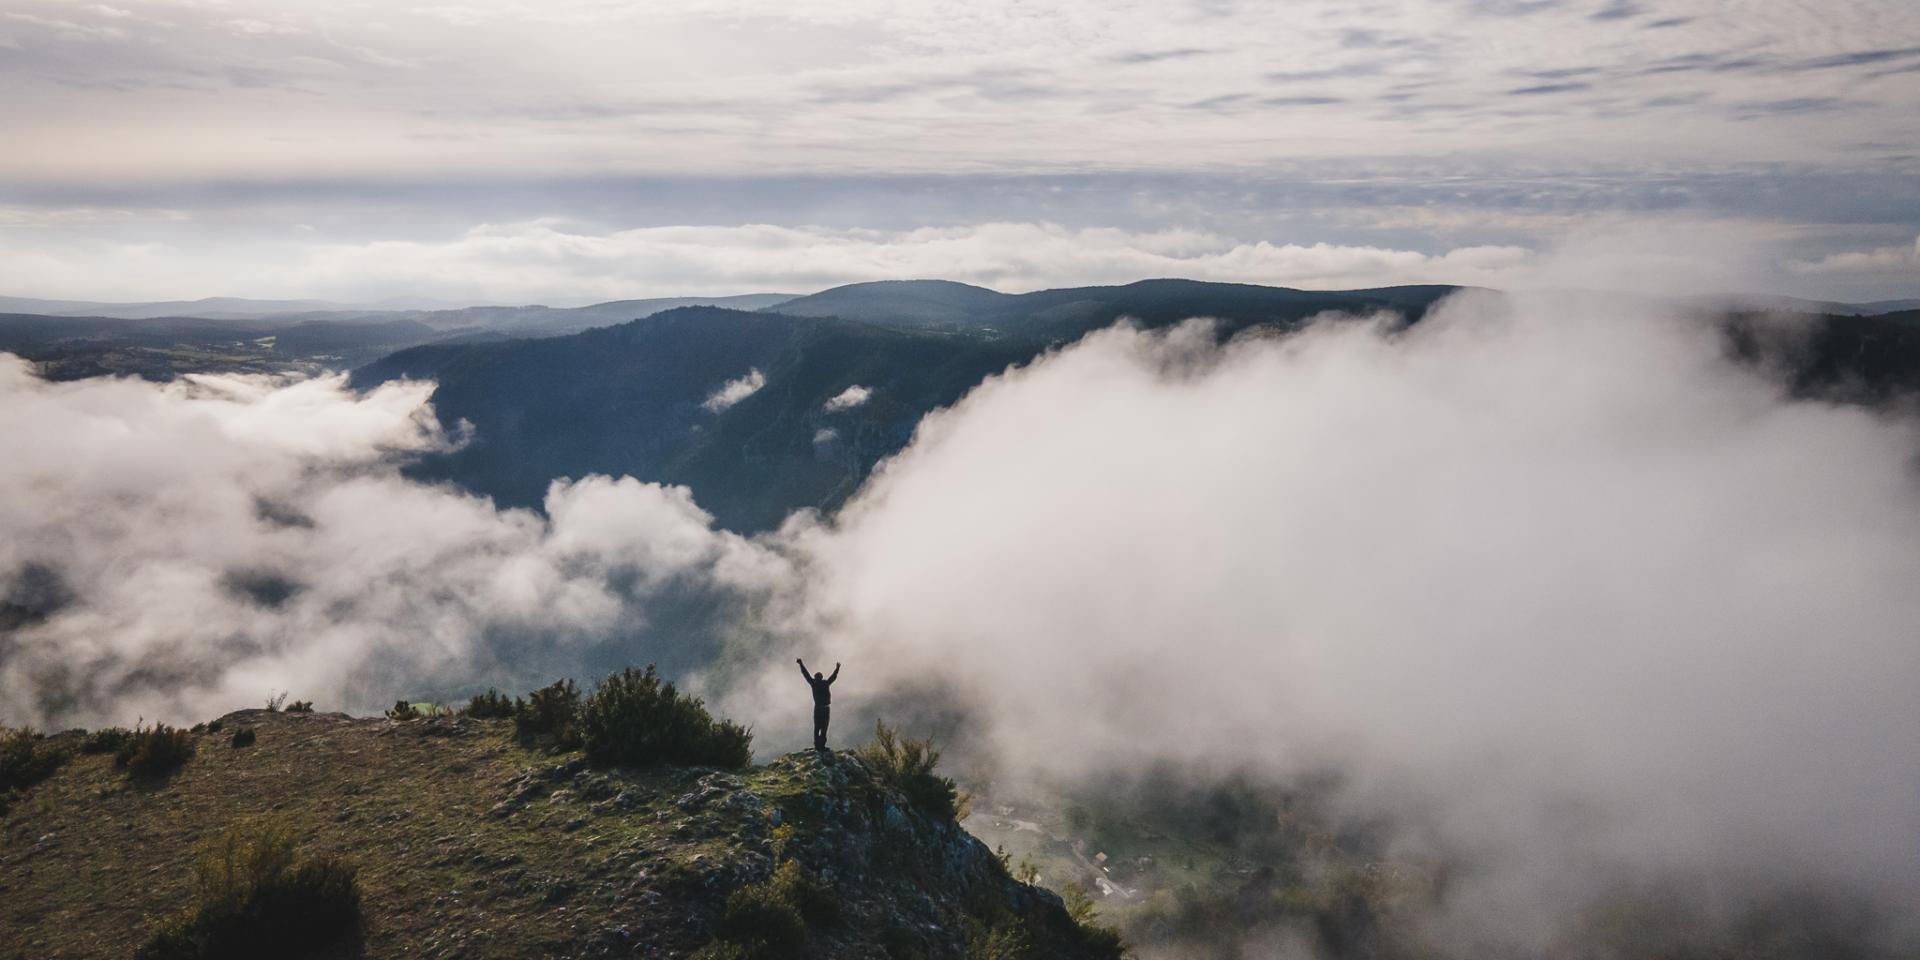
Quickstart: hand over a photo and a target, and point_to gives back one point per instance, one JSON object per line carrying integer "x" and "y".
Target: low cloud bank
{"x": 1555, "y": 587}
{"x": 540, "y": 260}
{"x": 534, "y": 261}
{"x": 174, "y": 552}
{"x": 1560, "y": 591}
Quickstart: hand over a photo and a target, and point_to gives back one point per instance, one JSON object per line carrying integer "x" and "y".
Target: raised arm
{"x": 803, "y": 670}
{"x": 836, "y": 673}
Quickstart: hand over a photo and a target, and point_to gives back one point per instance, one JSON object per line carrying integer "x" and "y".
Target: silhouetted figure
{"x": 822, "y": 697}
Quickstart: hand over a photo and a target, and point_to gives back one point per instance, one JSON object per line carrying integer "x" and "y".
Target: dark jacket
{"x": 822, "y": 695}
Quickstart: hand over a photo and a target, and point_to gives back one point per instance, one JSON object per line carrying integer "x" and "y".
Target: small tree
{"x": 259, "y": 897}
{"x": 492, "y": 705}
{"x": 154, "y": 752}
{"x": 907, "y": 764}
{"x": 26, "y": 758}
{"x": 635, "y": 718}
{"x": 551, "y": 713}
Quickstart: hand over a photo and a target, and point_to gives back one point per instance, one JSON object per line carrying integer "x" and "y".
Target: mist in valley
{"x": 1546, "y": 596}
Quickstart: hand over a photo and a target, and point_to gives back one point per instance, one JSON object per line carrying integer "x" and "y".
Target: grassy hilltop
{"x": 475, "y": 836}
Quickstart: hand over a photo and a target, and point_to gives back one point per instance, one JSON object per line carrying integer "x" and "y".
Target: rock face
{"x": 469, "y": 844}
{"x": 903, "y": 877}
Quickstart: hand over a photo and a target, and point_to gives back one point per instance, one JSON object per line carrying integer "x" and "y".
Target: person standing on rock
{"x": 822, "y": 698}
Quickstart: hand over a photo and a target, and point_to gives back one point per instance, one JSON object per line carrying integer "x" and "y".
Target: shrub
{"x": 214, "y": 726}
{"x": 275, "y": 702}
{"x": 1004, "y": 939}
{"x": 1079, "y": 901}
{"x": 550, "y": 713}
{"x": 761, "y": 923}
{"x": 634, "y": 718}
{"x": 154, "y": 752}
{"x": 783, "y": 838}
{"x": 809, "y": 894}
{"x": 770, "y": 918}
{"x": 907, "y": 765}
{"x": 1097, "y": 940}
{"x": 244, "y": 737}
{"x": 106, "y": 740}
{"x": 259, "y": 897}
{"x": 26, "y": 758}
{"x": 492, "y": 705}
{"x": 300, "y": 706}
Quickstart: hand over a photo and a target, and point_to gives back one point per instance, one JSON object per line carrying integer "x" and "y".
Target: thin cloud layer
{"x": 515, "y": 263}
{"x": 555, "y": 262}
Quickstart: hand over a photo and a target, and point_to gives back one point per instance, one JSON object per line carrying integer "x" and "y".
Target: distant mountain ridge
{"x": 928, "y": 303}
{"x": 633, "y": 399}
{"x": 540, "y": 319}
{"x": 630, "y": 393}
{"x": 438, "y": 316}
{"x": 208, "y": 308}
{"x": 160, "y": 347}
{"x": 1068, "y": 311}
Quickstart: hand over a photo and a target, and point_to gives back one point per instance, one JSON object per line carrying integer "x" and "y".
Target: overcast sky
{"x": 581, "y": 150}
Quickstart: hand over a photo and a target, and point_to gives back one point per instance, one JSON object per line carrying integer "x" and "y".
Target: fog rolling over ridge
{"x": 1562, "y": 593}
{"x": 1555, "y": 584}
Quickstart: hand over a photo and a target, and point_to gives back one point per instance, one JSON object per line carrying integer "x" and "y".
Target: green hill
{"x": 905, "y": 303}
{"x": 632, "y": 399}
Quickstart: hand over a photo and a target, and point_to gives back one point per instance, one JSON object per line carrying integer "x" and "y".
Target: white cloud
{"x": 735, "y": 390}
{"x": 849, "y": 398}
{"x": 195, "y": 547}
{"x": 1881, "y": 260}
{"x": 825, "y": 435}
{"x": 1551, "y": 582}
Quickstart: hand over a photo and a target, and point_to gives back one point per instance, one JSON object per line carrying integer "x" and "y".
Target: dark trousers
{"x": 820, "y": 714}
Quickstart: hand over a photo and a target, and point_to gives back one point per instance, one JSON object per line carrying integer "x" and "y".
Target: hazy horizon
{"x": 501, "y": 152}
{"x": 419, "y": 304}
